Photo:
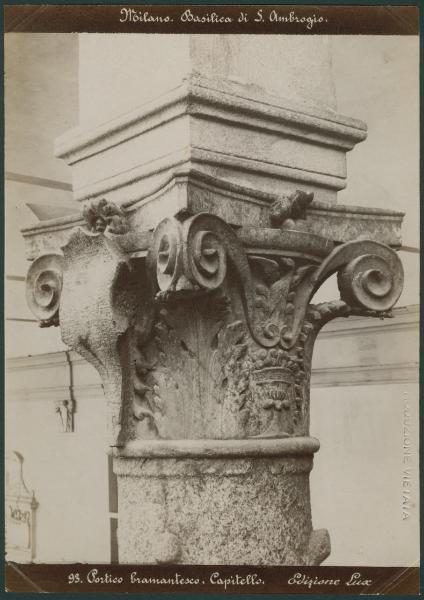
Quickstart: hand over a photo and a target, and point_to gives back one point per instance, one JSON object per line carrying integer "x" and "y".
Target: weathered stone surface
{"x": 191, "y": 192}
{"x": 188, "y": 282}
{"x": 206, "y": 124}
{"x": 215, "y": 511}
{"x": 95, "y": 310}
{"x": 204, "y": 347}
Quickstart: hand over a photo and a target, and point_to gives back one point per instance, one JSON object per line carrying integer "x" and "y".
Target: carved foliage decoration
{"x": 263, "y": 381}
{"x": 245, "y": 339}
{"x": 276, "y": 377}
{"x": 103, "y": 215}
{"x": 232, "y": 372}
{"x": 193, "y": 255}
{"x": 177, "y": 370}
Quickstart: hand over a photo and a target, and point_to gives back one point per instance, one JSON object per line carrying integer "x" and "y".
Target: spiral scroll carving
{"x": 370, "y": 278}
{"x": 204, "y": 254}
{"x": 189, "y": 256}
{"x": 371, "y": 282}
{"x": 165, "y": 254}
{"x": 192, "y": 256}
{"x": 43, "y": 288}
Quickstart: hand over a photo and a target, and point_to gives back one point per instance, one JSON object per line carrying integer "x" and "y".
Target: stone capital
{"x": 202, "y": 331}
{"x": 209, "y": 220}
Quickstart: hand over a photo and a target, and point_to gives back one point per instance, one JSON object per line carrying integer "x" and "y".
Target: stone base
{"x": 217, "y": 511}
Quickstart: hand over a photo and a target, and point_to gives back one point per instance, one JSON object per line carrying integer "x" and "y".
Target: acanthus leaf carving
{"x": 228, "y": 323}
{"x": 192, "y": 256}
{"x": 266, "y": 387}
{"x": 175, "y": 371}
{"x": 232, "y": 375}
{"x": 103, "y": 215}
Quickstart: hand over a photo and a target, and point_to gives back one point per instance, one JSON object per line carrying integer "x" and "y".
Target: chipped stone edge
{"x": 203, "y": 448}
{"x": 225, "y": 100}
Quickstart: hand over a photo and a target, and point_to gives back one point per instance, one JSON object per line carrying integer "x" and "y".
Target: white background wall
{"x": 68, "y": 473}
{"x": 377, "y": 80}
{"x": 361, "y": 427}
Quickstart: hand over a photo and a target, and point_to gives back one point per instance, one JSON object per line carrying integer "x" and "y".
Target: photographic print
{"x": 212, "y": 298}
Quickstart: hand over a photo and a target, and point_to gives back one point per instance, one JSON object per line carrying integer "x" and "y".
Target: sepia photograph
{"x": 211, "y": 299}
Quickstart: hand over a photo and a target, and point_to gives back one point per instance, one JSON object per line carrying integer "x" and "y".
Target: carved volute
{"x": 203, "y": 335}
{"x": 203, "y": 339}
